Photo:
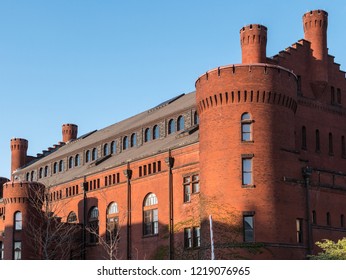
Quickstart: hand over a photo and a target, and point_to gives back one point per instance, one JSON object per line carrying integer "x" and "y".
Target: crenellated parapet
{"x": 21, "y": 192}
{"x": 255, "y": 83}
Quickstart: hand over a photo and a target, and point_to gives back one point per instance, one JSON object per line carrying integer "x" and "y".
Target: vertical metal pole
{"x": 211, "y": 237}
{"x": 307, "y": 171}
{"x": 128, "y": 174}
{"x": 84, "y": 185}
{"x": 170, "y": 161}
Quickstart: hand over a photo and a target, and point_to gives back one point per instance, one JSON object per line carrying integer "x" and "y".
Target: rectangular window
{"x": 187, "y": 238}
{"x": 195, "y": 183}
{"x": 248, "y": 228}
{"x": 112, "y": 229}
{"x": 299, "y": 228}
{"x": 196, "y": 237}
{"x": 192, "y": 237}
{"x": 338, "y": 96}
{"x": 247, "y": 171}
{"x": 187, "y": 189}
{"x": 246, "y": 132}
{"x": 151, "y": 222}
{"x": 17, "y": 250}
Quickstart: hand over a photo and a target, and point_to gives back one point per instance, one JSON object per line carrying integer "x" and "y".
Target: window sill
{"x": 248, "y": 186}
{"x": 247, "y": 141}
{"x": 192, "y": 248}
{"x": 150, "y": 235}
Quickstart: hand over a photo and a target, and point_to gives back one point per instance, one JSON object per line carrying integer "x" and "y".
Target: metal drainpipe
{"x": 128, "y": 175}
{"x": 84, "y": 185}
{"x": 307, "y": 171}
{"x": 170, "y": 162}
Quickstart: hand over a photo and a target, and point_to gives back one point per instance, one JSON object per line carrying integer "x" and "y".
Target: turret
{"x": 23, "y": 204}
{"x": 315, "y": 31}
{"x": 19, "y": 149}
{"x": 69, "y": 132}
{"x": 253, "y": 41}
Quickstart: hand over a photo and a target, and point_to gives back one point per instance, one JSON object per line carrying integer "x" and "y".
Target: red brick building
{"x": 256, "y": 155}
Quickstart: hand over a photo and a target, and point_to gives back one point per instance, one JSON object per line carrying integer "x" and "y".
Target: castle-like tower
{"x": 246, "y": 122}
{"x": 22, "y": 203}
{"x": 19, "y": 148}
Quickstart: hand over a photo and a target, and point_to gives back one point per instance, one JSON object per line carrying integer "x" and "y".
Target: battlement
{"x": 253, "y": 27}
{"x": 19, "y": 192}
{"x": 316, "y": 18}
{"x": 253, "y": 83}
{"x": 19, "y": 144}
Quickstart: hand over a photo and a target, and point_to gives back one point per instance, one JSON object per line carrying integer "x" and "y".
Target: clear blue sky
{"x": 94, "y": 63}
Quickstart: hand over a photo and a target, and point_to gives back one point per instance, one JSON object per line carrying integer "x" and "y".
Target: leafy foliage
{"x": 331, "y": 250}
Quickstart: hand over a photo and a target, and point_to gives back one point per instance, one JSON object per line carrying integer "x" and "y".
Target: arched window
{"x": 304, "y": 138}
{"x": 93, "y": 224}
{"x": 70, "y": 162}
{"x": 113, "y": 147}
{"x": 125, "y": 143}
{"x": 331, "y": 150}
{"x": 18, "y": 221}
{"x": 94, "y": 154}
{"x": 195, "y": 118}
{"x": 61, "y": 165}
{"x": 147, "y": 135}
{"x": 55, "y": 168}
{"x": 171, "y": 126}
{"x": 27, "y": 176}
{"x": 87, "y": 156}
{"x": 246, "y": 127}
{"x": 112, "y": 222}
{"x": 180, "y": 123}
{"x": 32, "y": 175}
{"x": 150, "y": 215}
{"x": 317, "y": 135}
{"x": 40, "y": 173}
{"x": 133, "y": 139}
{"x": 156, "y": 132}
{"x": 105, "y": 149}
{"x": 77, "y": 160}
{"x": 72, "y": 217}
{"x": 46, "y": 171}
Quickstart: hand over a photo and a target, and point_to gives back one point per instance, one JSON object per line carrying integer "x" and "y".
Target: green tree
{"x": 331, "y": 250}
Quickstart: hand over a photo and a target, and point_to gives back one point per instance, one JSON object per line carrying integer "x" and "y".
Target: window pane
{"x": 245, "y": 116}
{"x": 196, "y": 237}
{"x": 248, "y": 228}
{"x": 18, "y": 221}
{"x": 17, "y": 250}
{"x": 247, "y": 172}
{"x": 187, "y": 238}
{"x": 187, "y": 193}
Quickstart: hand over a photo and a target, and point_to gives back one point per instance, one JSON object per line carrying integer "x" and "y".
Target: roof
{"x": 164, "y": 110}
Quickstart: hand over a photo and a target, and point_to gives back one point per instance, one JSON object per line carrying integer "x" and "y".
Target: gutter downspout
{"x": 128, "y": 175}
{"x": 85, "y": 186}
{"x": 170, "y": 162}
{"x": 307, "y": 171}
